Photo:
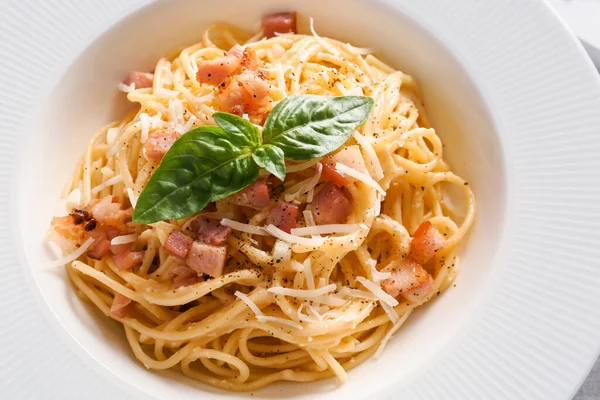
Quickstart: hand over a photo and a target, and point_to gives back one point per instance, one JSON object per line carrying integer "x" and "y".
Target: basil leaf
{"x": 310, "y": 126}
{"x": 203, "y": 165}
{"x": 239, "y": 129}
{"x": 270, "y": 158}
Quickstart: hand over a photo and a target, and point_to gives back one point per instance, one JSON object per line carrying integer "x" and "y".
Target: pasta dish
{"x": 275, "y": 209}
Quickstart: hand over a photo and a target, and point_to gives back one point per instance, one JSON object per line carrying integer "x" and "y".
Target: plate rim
{"x": 113, "y": 11}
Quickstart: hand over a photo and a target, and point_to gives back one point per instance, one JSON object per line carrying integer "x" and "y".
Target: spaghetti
{"x": 290, "y": 305}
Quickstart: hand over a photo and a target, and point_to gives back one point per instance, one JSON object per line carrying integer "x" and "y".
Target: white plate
{"x": 515, "y": 100}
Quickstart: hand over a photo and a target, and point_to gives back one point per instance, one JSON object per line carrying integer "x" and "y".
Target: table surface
{"x": 583, "y": 18}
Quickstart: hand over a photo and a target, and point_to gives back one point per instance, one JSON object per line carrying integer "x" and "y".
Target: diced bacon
{"x": 245, "y": 95}
{"x": 159, "y": 143}
{"x": 255, "y": 196}
{"x": 121, "y": 306}
{"x": 66, "y": 227}
{"x": 331, "y": 205}
{"x": 246, "y": 90}
{"x": 207, "y": 259}
{"x": 120, "y": 248}
{"x": 105, "y": 210}
{"x": 283, "y": 216}
{"x": 216, "y": 71}
{"x": 128, "y": 260}
{"x": 426, "y": 241}
{"x": 283, "y": 22}
{"x": 418, "y": 293}
{"x": 178, "y": 244}
{"x": 141, "y": 80}
{"x": 256, "y": 87}
{"x": 108, "y": 212}
{"x": 350, "y": 156}
{"x": 210, "y": 231}
{"x": 99, "y": 248}
{"x": 409, "y": 278}
{"x": 185, "y": 276}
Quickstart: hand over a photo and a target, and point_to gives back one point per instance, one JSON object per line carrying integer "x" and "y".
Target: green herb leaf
{"x": 238, "y": 129}
{"x": 270, "y": 158}
{"x": 310, "y": 126}
{"x": 204, "y": 165}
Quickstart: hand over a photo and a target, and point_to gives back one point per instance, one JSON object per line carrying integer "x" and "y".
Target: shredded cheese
{"x": 296, "y": 266}
{"x": 308, "y": 274}
{"x": 107, "y": 172}
{"x": 252, "y": 305}
{"x": 282, "y": 321}
{"x": 239, "y": 226}
{"x": 325, "y": 229}
{"x": 123, "y": 239}
{"x": 132, "y": 198}
{"x": 111, "y": 136}
{"x": 56, "y": 250}
{"x": 145, "y": 122}
{"x": 281, "y": 80}
{"x": 305, "y": 185}
{"x": 377, "y": 275}
{"x": 302, "y": 166}
{"x": 346, "y": 291}
{"x": 282, "y": 251}
{"x": 364, "y": 143}
{"x": 389, "y": 310}
{"x": 278, "y": 233}
{"x": 73, "y": 200}
{"x": 72, "y": 256}
{"x": 109, "y": 182}
{"x": 377, "y": 291}
{"x": 302, "y": 293}
{"x": 126, "y": 88}
{"x": 359, "y": 176}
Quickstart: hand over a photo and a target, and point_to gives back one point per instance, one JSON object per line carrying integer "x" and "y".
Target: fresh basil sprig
{"x": 212, "y": 162}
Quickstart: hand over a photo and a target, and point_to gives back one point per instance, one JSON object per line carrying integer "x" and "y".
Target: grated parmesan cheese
{"x": 282, "y": 321}
{"x": 282, "y": 251}
{"x": 346, "y": 291}
{"x": 126, "y": 88}
{"x": 364, "y": 143}
{"x": 132, "y": 198}
{"x": 377, "y": 291}
{"x": 72, "y": 256}
{"x": 176, "y": 112}
{"x": 296, "y": 266}
{"x": 123, "y": 239}
{"x": 305, "y": 185}
{"x": 278, "y": 233}
{"x": 56, "y": 250}
{"x": 145, "y": 124}
{"x": 109, "y": 182}
{"x": 359, "y": 176}
{"x": 308, "y": 274}
{"x": 73, "y": 200}
{"x": 107, "y": 172}
{"x": 240, "y": 226}
{"x": 325, "y": 229}
{"x": 111, "y": 136}
{"x": 302, "y": 293}
{"x": 302, "y": 166}
{"x": 252, "y": 305}
{"x": 389, "y": 310}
